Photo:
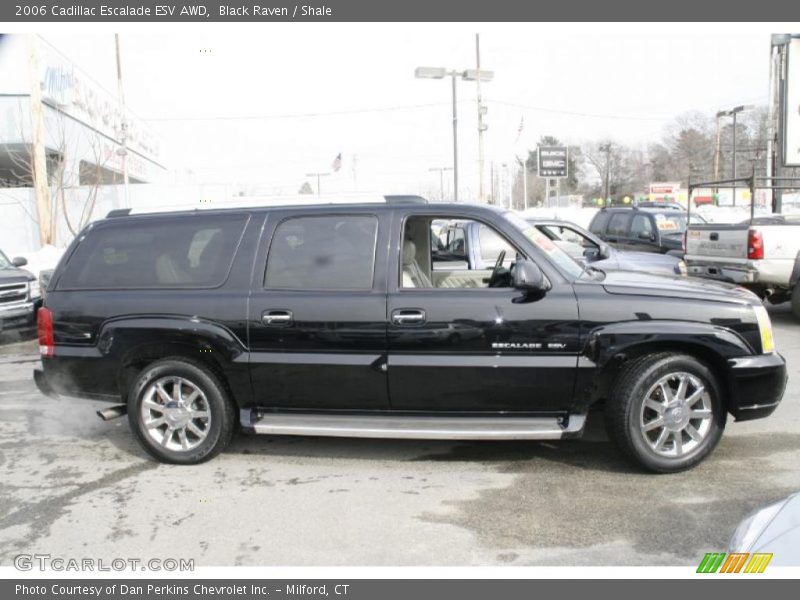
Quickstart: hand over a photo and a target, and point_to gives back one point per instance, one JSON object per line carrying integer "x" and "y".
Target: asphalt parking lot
{"x": 74, "y": 486}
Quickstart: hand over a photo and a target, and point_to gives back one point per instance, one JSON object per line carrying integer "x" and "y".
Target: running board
{"x": 414, "y": 427}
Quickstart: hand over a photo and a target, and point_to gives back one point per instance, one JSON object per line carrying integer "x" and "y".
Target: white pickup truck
{"x": 762, "y": 254}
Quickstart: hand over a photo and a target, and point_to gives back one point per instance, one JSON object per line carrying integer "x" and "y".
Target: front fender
{"x": 607, "y": 348}
{"x": 607, "y": 341}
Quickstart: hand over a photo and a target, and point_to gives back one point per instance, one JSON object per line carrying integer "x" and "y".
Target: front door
{"x": 317, "y": 313}
{"x": 456, "y": 344}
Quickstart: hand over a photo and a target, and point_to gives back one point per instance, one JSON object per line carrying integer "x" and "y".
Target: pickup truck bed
{"x": 763, "y": 255}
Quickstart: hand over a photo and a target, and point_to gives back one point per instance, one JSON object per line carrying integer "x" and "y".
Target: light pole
{"x": 732, "y": 113}
{"x": 441, "y": 178}
{"x": 317, "y": 175}
{"x": 467, "y": 75}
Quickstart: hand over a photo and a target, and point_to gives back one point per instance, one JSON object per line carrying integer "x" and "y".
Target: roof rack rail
{"x": 401, "y": 199}
{"x": 118, "y": 212}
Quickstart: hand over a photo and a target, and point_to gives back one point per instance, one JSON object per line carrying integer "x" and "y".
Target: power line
{"x": 332, "y": 113}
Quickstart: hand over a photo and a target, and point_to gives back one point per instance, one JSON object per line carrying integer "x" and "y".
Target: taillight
{"x": 755, "y": 245}
{"x": 44, "y": 329}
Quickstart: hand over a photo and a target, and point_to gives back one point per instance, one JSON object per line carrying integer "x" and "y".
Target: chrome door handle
{"x": 276, "y": 317}
{"x": 406, "y": 316}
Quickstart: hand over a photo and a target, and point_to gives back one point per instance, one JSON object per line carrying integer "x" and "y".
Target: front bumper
{"x": 756, "y": 385}
{"x": 17, "y": 315}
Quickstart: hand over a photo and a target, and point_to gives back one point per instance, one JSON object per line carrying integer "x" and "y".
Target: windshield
{"x": 4, "y": 262}
{"x": 546, "y": 245}
{"x": 674, "y": 222}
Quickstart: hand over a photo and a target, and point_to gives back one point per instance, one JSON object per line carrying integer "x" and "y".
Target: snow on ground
{"x": 46, "y": 257}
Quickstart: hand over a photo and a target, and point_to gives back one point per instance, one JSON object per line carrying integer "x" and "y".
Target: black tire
{"x": 219, "y": 425}
{"x": 624, "y": 412}
{"x": 796, "y": 300}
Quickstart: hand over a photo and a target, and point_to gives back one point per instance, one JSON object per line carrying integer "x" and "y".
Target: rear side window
{"x": 334, "y": 252}
{"x": 618, "y": 225}
{"x": 599, "y": 222}
{"x": 174, "y": 252}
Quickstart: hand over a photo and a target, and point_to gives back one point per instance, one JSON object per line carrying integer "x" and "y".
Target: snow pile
{"x": 44, "y": 258}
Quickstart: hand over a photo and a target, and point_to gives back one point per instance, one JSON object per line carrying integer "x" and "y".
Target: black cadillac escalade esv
{"x": 330, "y": 320}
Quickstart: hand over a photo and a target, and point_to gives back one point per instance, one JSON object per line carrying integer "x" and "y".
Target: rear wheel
{"x": 180, "y": 412}
{"x": 666, "y": 412}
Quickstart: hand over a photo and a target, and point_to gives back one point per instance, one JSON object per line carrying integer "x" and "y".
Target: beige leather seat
{"x": 413, "y": 275}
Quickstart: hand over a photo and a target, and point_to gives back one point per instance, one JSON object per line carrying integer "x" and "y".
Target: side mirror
{"x": 19, "y": 261}
{"x": 528, "y": 277}
{"x": 646, "y": 235}
{"x": 605, "y": 251}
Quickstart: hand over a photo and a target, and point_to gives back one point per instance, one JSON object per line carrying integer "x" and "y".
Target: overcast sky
{"x": 269, "y": 104}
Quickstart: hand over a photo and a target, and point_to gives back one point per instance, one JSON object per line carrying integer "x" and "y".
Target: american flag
{"x": 337, "y": 162}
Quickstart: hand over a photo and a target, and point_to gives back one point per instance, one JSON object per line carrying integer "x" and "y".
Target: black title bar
{"x": 110, "y": 11}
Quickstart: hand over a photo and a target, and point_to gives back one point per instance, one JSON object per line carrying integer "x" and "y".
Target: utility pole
{"x": 717, "y": 148}
{"x": 455, "y": 140}
{"x": 481, "y": 126}
{"x": 607, "y": 149}
{"x": 441, "y": 171}
{"x": 38, "y": 156}
{"x": 123, "y": 151}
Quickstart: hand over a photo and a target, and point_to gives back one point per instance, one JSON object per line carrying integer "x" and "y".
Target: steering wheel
{"x": 493, "y": 279}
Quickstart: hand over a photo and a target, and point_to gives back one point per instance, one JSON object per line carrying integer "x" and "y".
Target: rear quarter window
{"x": 173, "y": 252}
{"x": 598, "y": 224}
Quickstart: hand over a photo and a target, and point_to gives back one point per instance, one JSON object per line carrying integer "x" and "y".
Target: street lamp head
{"x": 724, "y": 113}
{"x": 743, "y": 108}
{"x": 430, "y": 72}
{"x": 474, "y": 75}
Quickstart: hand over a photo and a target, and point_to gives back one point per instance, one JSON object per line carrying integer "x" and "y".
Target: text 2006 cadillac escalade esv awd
{"x": 330, "y": 320}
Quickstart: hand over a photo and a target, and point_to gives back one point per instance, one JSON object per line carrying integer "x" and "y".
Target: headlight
{"x": 682, "y": 268}
{"x": 765, "y": 329}
{"x": 34, "y": 288}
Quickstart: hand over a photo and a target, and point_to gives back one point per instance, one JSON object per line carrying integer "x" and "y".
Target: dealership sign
{"x": 553, "y": 161}
{"x": 791, "y": 129}
{"x": 73, "y": 93}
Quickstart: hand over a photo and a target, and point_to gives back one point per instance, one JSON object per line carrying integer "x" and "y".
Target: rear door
{"x": 317, "y": 311}
{"x": 617, "y": 230}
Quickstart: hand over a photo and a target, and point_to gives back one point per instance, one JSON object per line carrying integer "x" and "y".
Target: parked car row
{"x": 20, "y": 294}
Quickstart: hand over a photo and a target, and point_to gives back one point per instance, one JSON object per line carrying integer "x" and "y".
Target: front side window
{"x": 182, "y": 251}
{"x": 333, "y": 252}
{"x": 641, "y": 227}
{"x": 425, "y": 266}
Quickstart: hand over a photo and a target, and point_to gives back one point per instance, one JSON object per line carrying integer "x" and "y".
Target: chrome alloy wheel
{"x": 175, "y": 413}
{"x": 676, "y": 415}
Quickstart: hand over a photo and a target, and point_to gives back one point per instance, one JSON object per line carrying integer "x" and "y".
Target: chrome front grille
{"x": 13, "y": 292}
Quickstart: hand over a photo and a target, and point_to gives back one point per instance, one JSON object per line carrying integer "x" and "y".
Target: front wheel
{"x": 180, "y": 412}
{"x": 666, "y": 412}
